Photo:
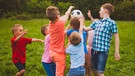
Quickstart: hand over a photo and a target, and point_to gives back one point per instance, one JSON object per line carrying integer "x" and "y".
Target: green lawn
{"x": 124, "y": 67}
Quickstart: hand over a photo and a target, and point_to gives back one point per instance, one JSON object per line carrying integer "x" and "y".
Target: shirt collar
{"x": 106, "y": 19}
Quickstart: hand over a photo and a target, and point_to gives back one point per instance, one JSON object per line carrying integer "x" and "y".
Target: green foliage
{"x": 124, "y": 11}
{"x": 38, "y": 10}
{"x": 63, "y": 7}
{"x": 9, "y": 14}
{"x": 24, "y": 16}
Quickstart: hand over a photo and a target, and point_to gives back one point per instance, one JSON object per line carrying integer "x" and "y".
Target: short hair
{"x": 75, "y": 23}
{"x": 14, "y": 28}
{"x": 75, "y": 38}
{"x": 43, "y": 29}
{"x": 109, "y": 7}
{"x": 51, "y": 13}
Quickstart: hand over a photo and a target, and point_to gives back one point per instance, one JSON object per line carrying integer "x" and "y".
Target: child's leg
{"x": 60, "y": 65}
{"x": 53, "y": 65}
{"x": 21, "y": 69}
{"x": 20, "y": 73}
{"x": 88, "y": 61}
{"x": 60, "y": 61}
{"x": 49, "y": 68}
{"x": 79, "y": 71}
{"x": 99, "y": 62}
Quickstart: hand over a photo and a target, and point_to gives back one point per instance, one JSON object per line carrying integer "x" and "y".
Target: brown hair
{"x": 51, "y": 13}
{"x": 43, "y": 29}
{"x": 14, "y": 28}
{"x": 109, "y": 7}
{"x": 75, "y": 38}
{"x": 75, "y": 23}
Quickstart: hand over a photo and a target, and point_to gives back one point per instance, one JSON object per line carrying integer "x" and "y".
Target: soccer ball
{"x": 76, "y": 14}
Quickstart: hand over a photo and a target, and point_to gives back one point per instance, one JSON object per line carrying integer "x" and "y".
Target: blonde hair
{"x": 109, "y": 7}
{"x": 51, "y": 13}
{"x": 75, "y": 38}
{"x": 14, "y": 28}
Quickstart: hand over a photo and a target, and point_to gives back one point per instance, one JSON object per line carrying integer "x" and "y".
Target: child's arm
{"x": 116, "y": 55}
{"x": 67, "y": 28}
{"x": 68, "y": 43}
{"x": 65, "y": 17}
{"x": 81, "y": 25}
{"x": 37, "y": 40}
{"x": 24, "y": 32}
{"x": 90, "y": 16}
{"x": 87, "y": 28}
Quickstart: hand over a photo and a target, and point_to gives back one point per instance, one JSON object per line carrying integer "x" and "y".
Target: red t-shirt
{"x": 19, "y": 49}
{"x": 57, "y": 36}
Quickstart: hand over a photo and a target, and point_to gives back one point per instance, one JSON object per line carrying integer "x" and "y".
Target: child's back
{"x": 57, "y": 34}
{"x": 76, "y": 50}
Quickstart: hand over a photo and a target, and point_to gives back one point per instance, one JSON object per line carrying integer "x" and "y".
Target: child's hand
{"x": 71, "y": 7}
{"x": 42, "y": 40}
{"x": 117, "y": 56}
{"x": 25, "y": 31}
{"x": 82, "y": 20}
{"x": 89, "y": 14}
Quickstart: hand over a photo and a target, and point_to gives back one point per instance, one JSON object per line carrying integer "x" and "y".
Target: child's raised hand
{"x": 71, "y": 7}
{"x": 25, "y": 31}
{"x": 89, "y": 14}
{"x": 82, "y": 20}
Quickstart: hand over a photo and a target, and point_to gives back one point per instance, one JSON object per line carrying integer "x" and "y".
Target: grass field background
{"x": 124, "y": 67}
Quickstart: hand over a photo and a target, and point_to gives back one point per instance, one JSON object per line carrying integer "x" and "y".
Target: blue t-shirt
{"x": 103, "y": 33}
{"x": 76, "y": 53}
{"x": 84, "y": 38}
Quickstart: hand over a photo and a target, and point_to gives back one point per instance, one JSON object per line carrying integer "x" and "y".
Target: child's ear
{"x": 14, "y": 32}
{"x": 106, "y": 11}
{"x": 45, "y": 32}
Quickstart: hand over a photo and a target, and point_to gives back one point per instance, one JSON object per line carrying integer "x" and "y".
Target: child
{"x": 47, "y": 62}
{"x": 57, "y": 32}
{"x": 75, "y": 24}
{"x": 89, "y": 46}
{"x": 76, "y": 50}
{"x": 103, "y": 31}
{"x": 19, "y": 43}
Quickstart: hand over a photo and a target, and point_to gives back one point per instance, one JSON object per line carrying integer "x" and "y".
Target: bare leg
{"x": 95, "y": 73}
{"x": 100, "y": 74}
{"x": 89, "y": 67}
{"x": 21, "y": 73}
{"x": 87, "y": 64}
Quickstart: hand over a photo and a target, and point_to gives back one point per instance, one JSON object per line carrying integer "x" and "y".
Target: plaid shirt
{"x": 103, "y": 33}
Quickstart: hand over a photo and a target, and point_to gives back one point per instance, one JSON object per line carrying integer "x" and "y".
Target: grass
{"x": 124, "y": 67}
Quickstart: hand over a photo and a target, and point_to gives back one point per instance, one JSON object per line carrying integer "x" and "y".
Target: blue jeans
{"x": 98, "y": 59}
{"x": 79, "y": 71}
{"x": 50, "y": 68}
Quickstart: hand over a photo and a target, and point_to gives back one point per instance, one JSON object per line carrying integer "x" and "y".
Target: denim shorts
{"x": 79, "y": 71}
{"x": 99, "y": 59}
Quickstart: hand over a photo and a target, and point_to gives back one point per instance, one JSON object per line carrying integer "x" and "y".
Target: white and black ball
{"x": 76, "y": 14}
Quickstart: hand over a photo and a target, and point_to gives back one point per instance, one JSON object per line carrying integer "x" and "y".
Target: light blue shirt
{"x": 77, "y": 55}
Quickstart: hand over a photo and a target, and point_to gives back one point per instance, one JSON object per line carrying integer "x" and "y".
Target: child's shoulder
{"x": 70, "y": 31}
